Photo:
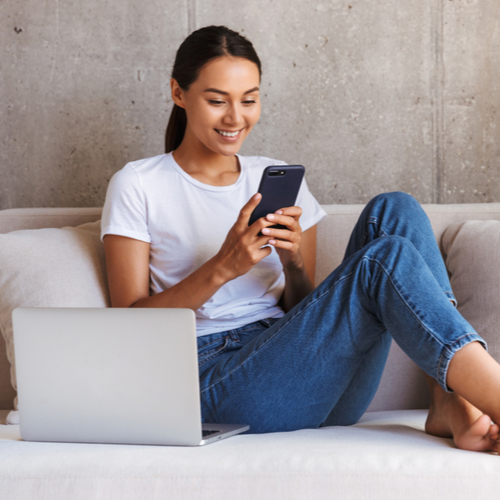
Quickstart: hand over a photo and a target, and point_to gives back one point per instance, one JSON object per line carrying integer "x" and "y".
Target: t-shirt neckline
{"x": 209, "y": 187}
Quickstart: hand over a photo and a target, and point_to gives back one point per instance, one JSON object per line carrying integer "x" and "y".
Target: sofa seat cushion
{"x": 386, "y": 452}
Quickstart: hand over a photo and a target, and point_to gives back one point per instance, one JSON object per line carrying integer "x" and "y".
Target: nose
{"x": 233, "y": 115}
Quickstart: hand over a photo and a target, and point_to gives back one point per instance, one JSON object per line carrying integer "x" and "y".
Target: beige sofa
{"x": 386, "y": 455}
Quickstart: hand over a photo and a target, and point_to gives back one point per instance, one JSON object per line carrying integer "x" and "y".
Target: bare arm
{"x": 127, "y": 262}
{"x": 299, "y": 280}
{"x": 297, "y": 252}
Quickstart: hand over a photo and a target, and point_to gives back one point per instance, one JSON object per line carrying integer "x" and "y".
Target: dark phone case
{"x": 278, "y": 192}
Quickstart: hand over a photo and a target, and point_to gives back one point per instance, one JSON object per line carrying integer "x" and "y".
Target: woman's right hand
{"x": 243, "y": 247}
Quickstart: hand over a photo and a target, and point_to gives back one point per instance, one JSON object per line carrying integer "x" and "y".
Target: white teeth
{"x": 228, "y": 134}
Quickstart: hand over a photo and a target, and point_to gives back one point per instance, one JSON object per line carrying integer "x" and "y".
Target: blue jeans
{"x": 322, "y": 362}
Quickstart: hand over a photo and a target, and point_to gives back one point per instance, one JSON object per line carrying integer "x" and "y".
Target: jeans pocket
{"x": 212, "y": 349}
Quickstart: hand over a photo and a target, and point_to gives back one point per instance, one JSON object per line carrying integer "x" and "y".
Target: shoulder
{"x": 146, "y": 166}
{"x": 140, "y": 171}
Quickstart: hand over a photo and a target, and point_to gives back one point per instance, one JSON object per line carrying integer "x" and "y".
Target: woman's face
{"x": 222, "y": 105}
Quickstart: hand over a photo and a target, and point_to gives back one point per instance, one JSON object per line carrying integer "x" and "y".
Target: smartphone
{"x": 279, "y": 187}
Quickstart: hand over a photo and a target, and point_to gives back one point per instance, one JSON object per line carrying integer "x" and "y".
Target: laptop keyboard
{"x": 208, "y": 433}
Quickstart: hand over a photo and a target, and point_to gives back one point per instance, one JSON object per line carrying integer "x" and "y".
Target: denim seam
{"x": 216, "y": 353}
{"x": 440, "y": 374}
{"x": 210, "y": 343}
{"x": 429, "y": 330}
{"x": 342, "y": 278}
{"x": 250, "y": 326}
{"x": 274, "y": 335}
{"x": 374, "y": 221}
{"x": 445, "y": 348}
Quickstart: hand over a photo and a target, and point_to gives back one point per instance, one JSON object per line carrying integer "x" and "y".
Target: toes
{"x": 494, "y": 432}
{"x": 482, "y": 427}
{"x": 478, "y": 437}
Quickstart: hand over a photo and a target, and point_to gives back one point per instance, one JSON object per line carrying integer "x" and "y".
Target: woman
{"x": 273, "y": 351}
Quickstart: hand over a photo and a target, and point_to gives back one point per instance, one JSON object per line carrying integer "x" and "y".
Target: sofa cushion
{"x": 385, "y": 456}
{"x": 69, "y": 272}
{"x": 472, "y": 256}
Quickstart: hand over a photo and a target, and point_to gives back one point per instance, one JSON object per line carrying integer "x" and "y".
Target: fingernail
{"x": 271, "y": 217}
{"x": 266, "y": 231}
{"x": 272, "y": 242}
{"x": 279, "y": 212}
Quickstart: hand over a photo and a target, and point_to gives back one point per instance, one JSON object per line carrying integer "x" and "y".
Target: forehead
{"x": 226, "y": 73}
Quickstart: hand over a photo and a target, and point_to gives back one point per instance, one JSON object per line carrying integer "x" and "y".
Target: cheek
{"x": 254, "y": 116}
{"x": 200, "y": 115}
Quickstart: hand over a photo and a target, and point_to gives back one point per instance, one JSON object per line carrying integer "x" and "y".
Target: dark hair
{"x": 195, "y": 52}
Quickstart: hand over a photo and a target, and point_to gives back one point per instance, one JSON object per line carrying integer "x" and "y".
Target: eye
{"x": 211, "y": 101}
{"x": 249, "y": 102}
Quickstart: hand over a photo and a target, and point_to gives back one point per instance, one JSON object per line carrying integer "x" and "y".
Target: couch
{"x": 387, "y": 455}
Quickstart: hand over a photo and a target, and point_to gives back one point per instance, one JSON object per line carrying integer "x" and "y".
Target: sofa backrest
{"x": 402, "y": 385}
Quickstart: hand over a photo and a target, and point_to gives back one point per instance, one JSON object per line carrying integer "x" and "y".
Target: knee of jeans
{"x": 396, "y": 198}
{"x": 390, "y": 244}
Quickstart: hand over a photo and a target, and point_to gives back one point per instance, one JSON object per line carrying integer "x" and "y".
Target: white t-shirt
{"x": 185, "y": 221}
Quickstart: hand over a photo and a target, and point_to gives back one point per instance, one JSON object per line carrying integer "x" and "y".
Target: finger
{"x": 247, "y": 210}
{"x": 282, "y": 234}
{"x": 283, "y": 245}
{"x": 252, "y": 234}
{"x": 256, "y": 228}
{"x": 284, "y": 220}
{"x": 261, "y": 241}
{"x": 263, "y": 251}
{"x": 291, "y": 211}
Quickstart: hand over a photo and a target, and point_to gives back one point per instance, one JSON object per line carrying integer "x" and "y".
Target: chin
{"x": 228, "y": 151}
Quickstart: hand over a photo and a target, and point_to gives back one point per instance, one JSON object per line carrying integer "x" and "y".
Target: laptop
{"x": 103, "y": 375}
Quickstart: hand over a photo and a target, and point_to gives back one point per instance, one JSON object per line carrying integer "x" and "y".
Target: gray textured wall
{"x": 369, "y": 95}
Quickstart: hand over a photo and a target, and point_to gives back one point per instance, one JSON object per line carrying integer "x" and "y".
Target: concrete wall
{"x": 369, "y": 95}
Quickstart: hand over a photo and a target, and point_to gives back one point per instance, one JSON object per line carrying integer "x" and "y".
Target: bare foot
{"x": 452, "y": 416}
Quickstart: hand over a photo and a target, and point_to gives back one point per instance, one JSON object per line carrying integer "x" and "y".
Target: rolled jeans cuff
{"x": 450, "y": 351}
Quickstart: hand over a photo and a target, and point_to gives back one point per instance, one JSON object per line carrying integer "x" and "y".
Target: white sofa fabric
{"x": 70, "y": 271}
{"x": 386, "y": 455}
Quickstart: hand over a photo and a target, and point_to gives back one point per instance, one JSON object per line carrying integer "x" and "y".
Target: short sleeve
{"x": 312, "y": 212}
{"x": 125, "y": 208}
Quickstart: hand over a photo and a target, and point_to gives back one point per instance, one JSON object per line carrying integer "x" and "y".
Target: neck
{"x": 206, "y": 166}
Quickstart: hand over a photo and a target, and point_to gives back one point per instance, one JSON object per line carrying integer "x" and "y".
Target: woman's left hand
{"x": 286, "y": 241}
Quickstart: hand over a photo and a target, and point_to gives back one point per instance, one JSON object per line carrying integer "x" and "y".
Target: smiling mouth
{"x": 228, "y": 134}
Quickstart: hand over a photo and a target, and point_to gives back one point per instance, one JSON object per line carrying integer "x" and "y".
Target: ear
{"x": 177, "y": 93}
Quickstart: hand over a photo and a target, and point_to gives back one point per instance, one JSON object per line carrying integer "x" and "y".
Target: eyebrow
{"x": 217, "y": 91}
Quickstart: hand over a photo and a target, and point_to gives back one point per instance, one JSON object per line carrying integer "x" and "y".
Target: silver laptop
{"x": 125, "y": 376}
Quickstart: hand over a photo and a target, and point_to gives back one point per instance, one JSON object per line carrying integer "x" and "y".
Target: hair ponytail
{"x": 175, "y": 128}
{"x": 196, "y": 51}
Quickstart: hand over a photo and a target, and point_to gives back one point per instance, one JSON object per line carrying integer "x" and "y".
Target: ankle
{"x": 475, "y": 375}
